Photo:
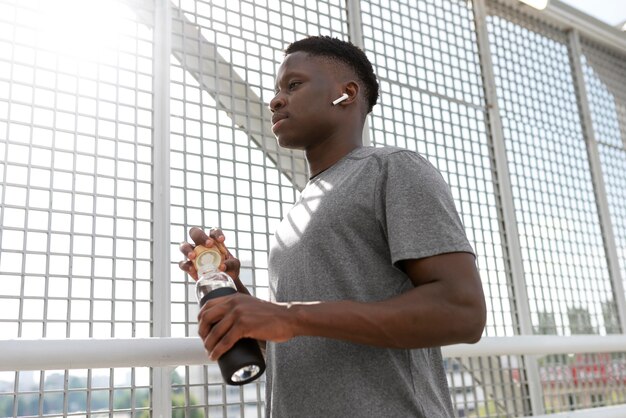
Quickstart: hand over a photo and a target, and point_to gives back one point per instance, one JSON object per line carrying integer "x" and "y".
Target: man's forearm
{"x": 421, "y": 317}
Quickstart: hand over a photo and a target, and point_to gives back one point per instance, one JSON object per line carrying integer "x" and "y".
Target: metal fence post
{"x": 161, "y": 385}
{"x": 356, "y": 37}
{"x": 506, "y": 204}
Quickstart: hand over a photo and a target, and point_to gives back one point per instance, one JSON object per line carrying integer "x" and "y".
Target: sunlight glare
{"x": 537, "y": 4}
{"x": 82, "y": 28}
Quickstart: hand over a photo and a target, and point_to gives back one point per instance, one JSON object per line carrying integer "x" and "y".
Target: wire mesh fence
{"x": 77, "y": 181}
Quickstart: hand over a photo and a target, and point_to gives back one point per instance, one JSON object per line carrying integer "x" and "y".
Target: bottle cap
{"x": 207, "y": 259}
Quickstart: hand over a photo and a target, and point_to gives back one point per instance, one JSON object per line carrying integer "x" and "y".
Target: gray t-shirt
{"x": 340, "y": 241}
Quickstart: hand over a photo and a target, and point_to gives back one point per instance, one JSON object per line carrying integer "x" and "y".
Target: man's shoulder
{"x": 383, "y": 154}
{"x": 390, "y": 155}
{"x": 380, "y": 151}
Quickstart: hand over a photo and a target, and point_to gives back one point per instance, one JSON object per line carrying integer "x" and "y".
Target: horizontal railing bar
{"x": 49, "y": 354}
{"x": 538, "y": 344}
{"x": 615, "y": 411}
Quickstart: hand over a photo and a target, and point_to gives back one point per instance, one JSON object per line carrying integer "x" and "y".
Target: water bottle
{"x": 244, "y": 361}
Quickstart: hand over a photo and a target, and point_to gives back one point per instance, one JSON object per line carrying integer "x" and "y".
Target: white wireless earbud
{"x": 341, "y": 99}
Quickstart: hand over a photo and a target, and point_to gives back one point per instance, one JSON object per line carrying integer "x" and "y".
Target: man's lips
{"x": 276, "y": 120}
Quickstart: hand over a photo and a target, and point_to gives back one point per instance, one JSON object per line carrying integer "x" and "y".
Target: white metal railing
{"x": 617, "y": 411}
{"x": 49, "y": 354}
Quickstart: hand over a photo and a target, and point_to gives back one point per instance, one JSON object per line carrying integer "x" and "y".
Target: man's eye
{"x": 293, "y": 84}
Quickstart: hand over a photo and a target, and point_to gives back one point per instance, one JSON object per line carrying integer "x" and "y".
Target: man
{"x": 370, "y": 272}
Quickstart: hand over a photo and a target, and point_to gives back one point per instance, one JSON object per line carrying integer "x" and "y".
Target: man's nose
{"x": 277, "y": 102}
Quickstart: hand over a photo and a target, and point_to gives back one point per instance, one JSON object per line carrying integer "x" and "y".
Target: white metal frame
{"x": 566, "y": 17}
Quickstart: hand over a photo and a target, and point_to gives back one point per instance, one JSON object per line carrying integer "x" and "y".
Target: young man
{"x": 370, "y": 272}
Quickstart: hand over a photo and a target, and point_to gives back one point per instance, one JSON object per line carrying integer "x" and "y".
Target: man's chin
{"x": 288, "y": 143}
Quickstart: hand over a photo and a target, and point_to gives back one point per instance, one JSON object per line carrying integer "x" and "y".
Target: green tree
{"x": 611, "y": 320}
{"x": 179, "y": 406}
{"x": 547, "y": 324}
{"x": 6, "y": 406}
{"x": 580, "y": 321}
{"x": 28, "y": 404}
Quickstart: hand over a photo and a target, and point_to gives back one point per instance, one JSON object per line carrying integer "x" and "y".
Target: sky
{"x": 612, "y": 12}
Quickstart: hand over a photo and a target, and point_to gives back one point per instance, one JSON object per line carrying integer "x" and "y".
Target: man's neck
{"x": 322, "y": 159}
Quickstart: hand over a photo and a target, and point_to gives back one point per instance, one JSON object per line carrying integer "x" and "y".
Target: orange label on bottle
{"x": 207, "y": 259}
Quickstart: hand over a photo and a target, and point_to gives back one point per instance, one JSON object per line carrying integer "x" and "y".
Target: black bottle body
{"x": 244, "y": 362}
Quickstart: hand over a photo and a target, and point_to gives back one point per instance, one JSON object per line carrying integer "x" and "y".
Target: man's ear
{"x": 351, "y": 88}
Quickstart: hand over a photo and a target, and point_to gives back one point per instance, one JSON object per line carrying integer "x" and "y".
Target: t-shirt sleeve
{"x": 416, "y": 211}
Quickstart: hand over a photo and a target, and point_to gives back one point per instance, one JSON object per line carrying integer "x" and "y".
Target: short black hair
{"x": 345, "y": 52}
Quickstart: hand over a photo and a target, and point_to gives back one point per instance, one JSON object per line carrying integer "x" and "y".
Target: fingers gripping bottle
{"x": 244, "y": 361}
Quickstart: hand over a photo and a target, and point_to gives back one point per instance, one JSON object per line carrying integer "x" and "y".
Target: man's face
{"x": 302, "y": 111}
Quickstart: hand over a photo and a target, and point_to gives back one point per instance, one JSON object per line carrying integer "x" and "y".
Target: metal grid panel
{"x": 564, "y": 260}
{"x": 428, "y": 45}
{"x": 59, "y": 393}
{"x": 224, "y": 169}
{"x": 75, "y": 196}
{"x": 583, "y": 380}
{"x": 487, "y": 386}
{"x": 605, "y": 78}
{"x": 613, "y": 163}
{"x": 431, "y": 101}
